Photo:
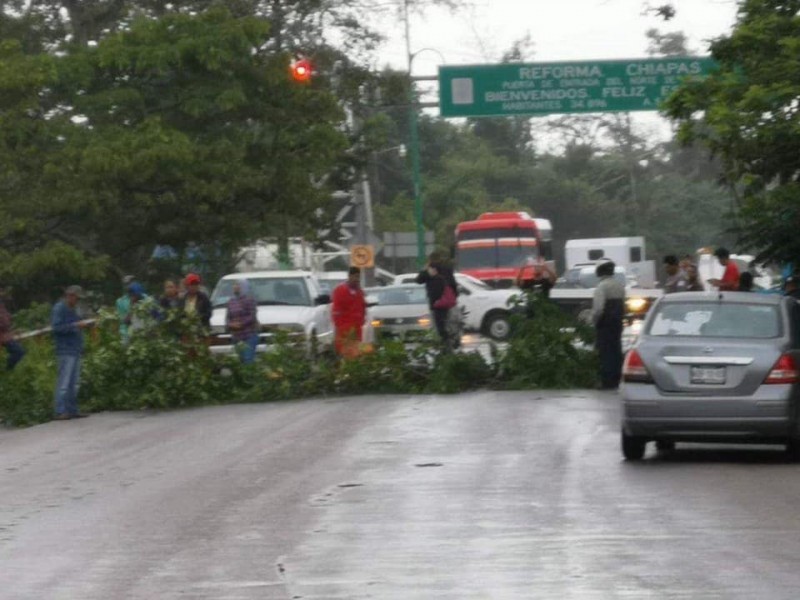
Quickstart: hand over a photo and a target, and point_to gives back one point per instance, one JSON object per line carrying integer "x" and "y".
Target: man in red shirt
{"x": 730, "y": 279}
{"x": 349, "y": 311}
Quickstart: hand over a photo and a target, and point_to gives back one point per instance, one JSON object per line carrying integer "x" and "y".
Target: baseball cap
{"x": 74, "y": 290}
{"x": 137, "y": 289}
{"x": 192, "y": 279}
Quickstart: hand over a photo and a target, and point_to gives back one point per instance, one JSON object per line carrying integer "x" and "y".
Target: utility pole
{"x": 414, "y": 144}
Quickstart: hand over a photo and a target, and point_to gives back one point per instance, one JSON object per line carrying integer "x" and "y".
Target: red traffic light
{"x": 301, "y": 71}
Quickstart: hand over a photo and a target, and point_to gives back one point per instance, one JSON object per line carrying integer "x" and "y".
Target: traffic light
{"x": 301, "y": 71}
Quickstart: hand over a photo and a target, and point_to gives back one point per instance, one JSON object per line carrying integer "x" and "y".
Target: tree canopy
{"x": 748, "y": 114}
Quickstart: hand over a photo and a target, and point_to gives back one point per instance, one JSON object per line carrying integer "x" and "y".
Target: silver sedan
{"x": 714, "y": 367}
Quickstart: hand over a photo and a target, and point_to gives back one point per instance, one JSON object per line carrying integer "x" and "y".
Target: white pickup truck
{"x": 288, "y": 301}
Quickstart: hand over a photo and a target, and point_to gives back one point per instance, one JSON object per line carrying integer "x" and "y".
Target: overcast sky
{"x": 559, "y": 29}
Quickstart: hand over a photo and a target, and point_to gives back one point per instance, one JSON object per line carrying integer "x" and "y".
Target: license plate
{"x": 708, "y": 375}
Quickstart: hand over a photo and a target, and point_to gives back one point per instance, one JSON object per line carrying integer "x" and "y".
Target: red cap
{"x": 192, "y": 279}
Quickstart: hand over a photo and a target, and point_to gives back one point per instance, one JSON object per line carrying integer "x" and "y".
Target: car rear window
{"x": 716, "y": 319}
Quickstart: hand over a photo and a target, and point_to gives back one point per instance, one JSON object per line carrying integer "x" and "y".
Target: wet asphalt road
{"x": 484, "y": 495}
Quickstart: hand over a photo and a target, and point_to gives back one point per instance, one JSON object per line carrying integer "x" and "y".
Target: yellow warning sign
{"x": 362, "y": 257}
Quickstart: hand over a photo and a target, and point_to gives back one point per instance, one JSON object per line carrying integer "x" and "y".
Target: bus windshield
{"x": 493, "y": 257}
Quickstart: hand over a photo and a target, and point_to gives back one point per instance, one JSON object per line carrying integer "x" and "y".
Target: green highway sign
{"x": 563, "y": 87}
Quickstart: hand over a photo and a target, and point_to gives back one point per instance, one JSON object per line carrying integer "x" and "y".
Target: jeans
{"x": 15, "y": 353}
{"x": 247, "y": 349}
{"x": 69, "y": 372}
{"x": 609, "y": 346}
{"x": 440, "y": 316}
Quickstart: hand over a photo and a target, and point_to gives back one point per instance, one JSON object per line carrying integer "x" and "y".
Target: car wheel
{"x": 498, "y": 326}
{"x": 665, "y": 446}
{"x": 633, "y": 447}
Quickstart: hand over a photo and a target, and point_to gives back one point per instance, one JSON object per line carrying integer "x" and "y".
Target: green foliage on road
{"x": 543, "y": 353}
{"x": 168, "y": 365}
{"x": 747, "y": 114}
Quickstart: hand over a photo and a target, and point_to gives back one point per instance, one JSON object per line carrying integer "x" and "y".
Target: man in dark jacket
{"x": 68, "y": 337}
{"x": 436, "y": 277}
{"x": 608, "y": 312}
{"x": 7, "y": 339}
{"x": 195, "y": 301}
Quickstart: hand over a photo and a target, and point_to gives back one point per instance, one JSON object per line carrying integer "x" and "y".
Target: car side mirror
{"x": 372, "y": 301}
{"x": 322, "y": 299}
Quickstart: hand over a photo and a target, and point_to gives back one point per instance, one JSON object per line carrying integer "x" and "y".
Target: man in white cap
{"x": 68, "y": 337}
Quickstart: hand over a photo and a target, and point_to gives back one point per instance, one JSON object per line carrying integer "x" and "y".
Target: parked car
{"x": 714, "y": 367}
{"x": 288, "y": 301}
{"x": 485, "y": 309}
{"x": 399, "y": 311}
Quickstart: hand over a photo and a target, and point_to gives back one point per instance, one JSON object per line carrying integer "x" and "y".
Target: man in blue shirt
{"x": 68, "y": 338}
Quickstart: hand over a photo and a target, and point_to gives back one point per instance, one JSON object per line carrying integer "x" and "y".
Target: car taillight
{"x": 634, "y": 370}
{"x": 784, "y": 371}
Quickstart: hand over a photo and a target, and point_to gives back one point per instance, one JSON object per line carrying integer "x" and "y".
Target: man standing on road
{"x": 68, "y": 336}
{"x": 349, "y": 311}
{"x": 730, "y": 279}
{"x": 241, "y": 319}
{"x": 7, "y": 339}
{"x": 677, "y": 280}
{"x": 608, "y": 311}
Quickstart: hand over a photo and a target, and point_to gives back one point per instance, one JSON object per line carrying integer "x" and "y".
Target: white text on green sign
{"x": 568, "y": 87}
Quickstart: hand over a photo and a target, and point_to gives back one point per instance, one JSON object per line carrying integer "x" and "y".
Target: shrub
{"x": 167, "y": 364}
{"x": 26, "y": 393}
{"x": 548, "y": 350}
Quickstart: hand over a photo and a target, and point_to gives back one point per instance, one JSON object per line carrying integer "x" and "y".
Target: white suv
{"x": 487, "y": 310}
{"x": 288, "y": 301}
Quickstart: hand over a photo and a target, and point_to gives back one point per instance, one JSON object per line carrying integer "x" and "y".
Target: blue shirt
{"x": 66, "y": 333}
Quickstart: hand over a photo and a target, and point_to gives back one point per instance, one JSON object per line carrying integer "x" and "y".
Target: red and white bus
{"x": 495, "y": 246}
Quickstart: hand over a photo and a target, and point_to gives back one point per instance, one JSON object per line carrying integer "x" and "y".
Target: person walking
{"x": 608, "y": 311}
{"x": 68, "y": 337}
{"x": 730, "y": 278}
{"x": 677, "y": 280}
{"x": 242, "y": 321}
{"x": 349, "y": 311}
{"x": 195, "y": 303}
{"x": 8, "y": 340}
{"x": 442, "y": 291}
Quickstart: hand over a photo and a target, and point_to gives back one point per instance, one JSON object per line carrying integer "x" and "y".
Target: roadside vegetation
{"x": 169, "y": 366}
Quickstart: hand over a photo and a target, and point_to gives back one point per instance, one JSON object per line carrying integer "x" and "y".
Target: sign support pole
{"x": 413, "y": 121}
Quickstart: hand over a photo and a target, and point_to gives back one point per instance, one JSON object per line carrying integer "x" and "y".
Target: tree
{"x": 176, "y": 130}
{"x": 747, "y": 113}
